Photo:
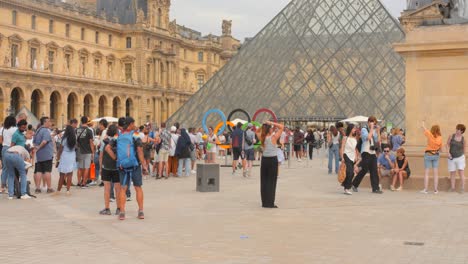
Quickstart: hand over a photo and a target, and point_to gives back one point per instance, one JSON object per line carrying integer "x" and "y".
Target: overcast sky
{"x": 248, "y": 16}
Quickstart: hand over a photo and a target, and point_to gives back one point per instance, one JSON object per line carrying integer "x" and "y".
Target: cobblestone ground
{"x": 315, "y": 223}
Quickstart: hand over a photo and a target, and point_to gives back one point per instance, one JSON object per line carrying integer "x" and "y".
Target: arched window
{"x": 13, "y": 17}
{"x": 129, "y": 42}
{"x": 33, "y": 22}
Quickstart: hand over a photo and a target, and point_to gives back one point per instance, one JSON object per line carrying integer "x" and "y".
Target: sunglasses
{"x": 386, "y": 151}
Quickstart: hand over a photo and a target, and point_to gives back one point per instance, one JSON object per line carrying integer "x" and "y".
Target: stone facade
{"x": 62, "y": 60}
{"x": 436, "y": 76}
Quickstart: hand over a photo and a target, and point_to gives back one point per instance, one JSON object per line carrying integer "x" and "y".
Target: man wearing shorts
{"x": 249, "y": 149}
{"x": 298, "y": 142}
{"x": 132, "y": 174}
{"x": 44, "y": 155}
{"x": 386, "y": 164}
{"x": 85, "y": 154}
{"x": 236, "y": 144}
{"x": 165, "y": 141}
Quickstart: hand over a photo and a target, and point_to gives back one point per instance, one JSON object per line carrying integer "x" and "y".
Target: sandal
{"x": 141, "y": 215}
{"x": 50, "y": 190}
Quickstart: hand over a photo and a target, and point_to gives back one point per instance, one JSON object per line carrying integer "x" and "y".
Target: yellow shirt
{"x": 433, "y": 143}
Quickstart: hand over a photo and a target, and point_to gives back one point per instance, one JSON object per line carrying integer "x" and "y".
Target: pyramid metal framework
{"x": 320, "y": 58}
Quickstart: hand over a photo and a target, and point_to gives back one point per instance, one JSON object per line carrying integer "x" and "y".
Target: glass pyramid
{"x": 321, "y": 59}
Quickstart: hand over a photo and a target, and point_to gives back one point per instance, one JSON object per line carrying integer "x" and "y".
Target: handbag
{"x": 342, "y": 172}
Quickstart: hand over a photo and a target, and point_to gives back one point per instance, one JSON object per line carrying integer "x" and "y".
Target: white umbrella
{"x": 109, "y": 119}
{"x": 357, "y": 119}
{"x": 237, "y": 120}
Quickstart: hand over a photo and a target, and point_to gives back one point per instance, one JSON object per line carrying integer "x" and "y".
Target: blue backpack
{"x": 126, "y": 155}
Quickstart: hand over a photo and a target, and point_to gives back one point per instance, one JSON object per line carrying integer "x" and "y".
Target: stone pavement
{"x": 315, "y": 223}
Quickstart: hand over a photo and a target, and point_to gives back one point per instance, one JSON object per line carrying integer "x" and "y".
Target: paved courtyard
{"x": 315, "y": 223}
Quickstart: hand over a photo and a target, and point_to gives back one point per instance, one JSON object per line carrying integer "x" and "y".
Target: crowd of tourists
{"x": 370, "y": 149}
{"x": 120, "y": 154}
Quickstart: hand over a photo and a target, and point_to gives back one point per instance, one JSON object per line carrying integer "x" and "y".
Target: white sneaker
{"x": 424, "y": 191}
{"x": 348, "y": 192}
{"x": 25, "y": 197}
{"x": 380, "y": 187}
{"x": 93, "y": 183}
{"x": 194, "y": 171}
{"x": 299, "y": 160}
{"x": 436, "y": 191}
{"x": 10, "y": 197}
{"x": 111, "y": 200}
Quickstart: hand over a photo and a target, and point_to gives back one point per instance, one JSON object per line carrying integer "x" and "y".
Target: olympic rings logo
{"x": 219, "y": 129}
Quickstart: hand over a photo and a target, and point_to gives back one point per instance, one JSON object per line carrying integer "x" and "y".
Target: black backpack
{"x": 17, "y": 188}
{"x": 247, "y": 140}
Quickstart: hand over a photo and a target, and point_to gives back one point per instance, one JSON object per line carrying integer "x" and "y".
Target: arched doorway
{"x": 128, "y": 107}
{"x": 88, "y": 100}
{"x": 55, "y": 112}
{"x": 102, "y": 106}
{"x": 115, "y": 107}
{"x": 36, "y": 100}
{"x": 17, "y": 96}
{"x": 72, "y": 105}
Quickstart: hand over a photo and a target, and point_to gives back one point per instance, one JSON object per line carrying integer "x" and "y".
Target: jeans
{"x": 187, "y": 163}
{"x": 96, "y": 162}
{"x": 14, "y": 161}
{"x": 4, "y": 175}
{"x": 333, "y": 152}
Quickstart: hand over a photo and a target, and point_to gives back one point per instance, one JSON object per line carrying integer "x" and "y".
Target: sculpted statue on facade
{"x": 227, "y": 24}
{"x": 6, "y": 61}
{"x": 140, "y": 16}
{"x": 173, "y": 27}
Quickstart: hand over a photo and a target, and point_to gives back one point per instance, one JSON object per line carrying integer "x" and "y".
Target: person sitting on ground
{"x": 402, "y": 169}
{"x": 386, "y": 163}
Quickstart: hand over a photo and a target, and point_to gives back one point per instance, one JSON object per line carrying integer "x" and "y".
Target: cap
{"x": 173, "y": 129}
{"x": 250, "y": 125}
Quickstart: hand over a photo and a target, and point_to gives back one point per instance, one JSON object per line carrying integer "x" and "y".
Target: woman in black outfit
{"x": 269, "y": 164}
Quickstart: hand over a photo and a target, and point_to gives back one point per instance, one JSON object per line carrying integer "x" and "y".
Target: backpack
{"x": 247, "y": 140}
{"x": 126, "y": 154}
{"x": 17, "y": 187}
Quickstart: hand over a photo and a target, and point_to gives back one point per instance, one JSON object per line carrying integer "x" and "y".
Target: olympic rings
{"x": 265, "y": 110}
{"x": 220, "y": 113}
{"x": 236, "y": 111}
{"x": 227, "y": 123}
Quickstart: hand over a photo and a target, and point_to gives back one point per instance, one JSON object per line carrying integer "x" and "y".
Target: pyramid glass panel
{"x": 320, "y": 59}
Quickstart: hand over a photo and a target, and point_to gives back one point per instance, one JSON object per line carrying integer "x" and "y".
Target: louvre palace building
{"x": 68, "y": 58}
